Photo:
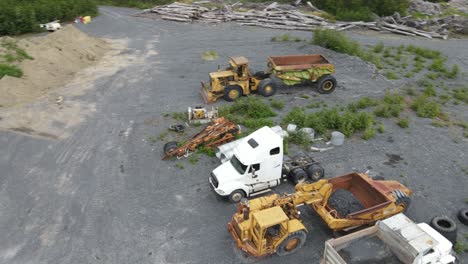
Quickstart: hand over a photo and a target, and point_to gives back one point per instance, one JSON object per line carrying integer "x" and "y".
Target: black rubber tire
{"x": 324, "y": 82}
{"x": 228, "y": 90}
{"x": 300, "y": 238}
{"x": 236, "y": 196}
{"x": 298, "y": 175}
{"x": 463, "y": 216}
{"x": 402, "y": 198}
{"x": 378, "y": 178}
{"x": 446, "y": 227}
{"x": 267, "y": 87}
{"x": 171, "y": 145}
{"x": 315, "y": 172}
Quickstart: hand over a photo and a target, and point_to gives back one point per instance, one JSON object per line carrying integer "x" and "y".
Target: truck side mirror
{"x": 253, "y": 173}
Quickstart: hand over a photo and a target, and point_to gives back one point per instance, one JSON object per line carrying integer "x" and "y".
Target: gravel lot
{"x": 103, "y": 195}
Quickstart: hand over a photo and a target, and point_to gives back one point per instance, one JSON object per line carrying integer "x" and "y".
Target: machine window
{"x": 275, "y": 151}
{"x": 252, "y": 143}
{"x": 238, "y": 165}
{"x": 256, "y": 167}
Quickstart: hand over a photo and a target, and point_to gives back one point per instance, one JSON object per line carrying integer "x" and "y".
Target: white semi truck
{"x": 396, "y": 240}
{"x": 254, "y": 164}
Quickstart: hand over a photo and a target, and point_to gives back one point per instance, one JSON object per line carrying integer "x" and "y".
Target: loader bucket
{"x": 208, "y": 96}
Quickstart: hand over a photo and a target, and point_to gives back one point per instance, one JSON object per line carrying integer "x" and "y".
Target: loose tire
{"x": 298, "y": 175}
{"x": 169, "y": 146}
{"x": 232, "y": 92}
{"x": 463, "y": 216}
{"x": 267, "y": 87}
{"x": 326, "y": 84}
{"x": 446, "y": 227}
{"x": 236, "y": 196}
{"x": 315, "y": 172}
{"x": 292, "y": 243}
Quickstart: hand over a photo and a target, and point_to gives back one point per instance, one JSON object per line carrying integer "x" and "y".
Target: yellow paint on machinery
{"x": 272, "y": 223}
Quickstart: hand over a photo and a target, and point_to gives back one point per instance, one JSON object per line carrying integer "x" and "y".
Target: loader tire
{"x": 236, "y": 196}
{"x": 402, "y": 199}
{"x": 298, "y": 175}
{"x": 463, "y": 216}
{"x": 232, "y": 92}
{"x": 267, "y": 87}
{"x": 315, "y": 172}
{"x": 326, "y": 84}
{"x": 446, "y": 227}
{"x": 292, "y": 243}
{"x": 169, "y": 146}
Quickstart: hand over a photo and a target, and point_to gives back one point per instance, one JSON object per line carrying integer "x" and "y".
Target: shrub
{"x": 381, "y": 128}
{"x": 461, "y": 94}
{"x": 300, "y": 138}
{"x": 336, "y": 41}
{"x": 362, "y": 103}
{"x": 392, "y": 105}
{"x": 251, "y": 112}
{"x": 403, "y": 122}
{"x": 391, "y": 75}
{"x": 452, "y": 73}
{"x": 430, "y": 91}
{"x": 423, "y": 52}
{"x": 438, "y": 65}
{"x": 10, "y": 70}
{"x": 379, "y": 47}
{"x": 362, "y": 8}
{"x": 277, "y": 104}
{"x": 368, "y": 133}
{"x": 425, "y": 107}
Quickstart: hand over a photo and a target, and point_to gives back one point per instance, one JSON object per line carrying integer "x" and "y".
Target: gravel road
{"x": 103, "y": 195}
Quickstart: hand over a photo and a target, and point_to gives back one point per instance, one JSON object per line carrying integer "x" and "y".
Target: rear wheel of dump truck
{"x": 298, "y": 175}
{"x": 292, "y": 243}
{"x": 446, "y": 227}
{"x": 315, "y": 172}
{"x": 326, "y": 84}
{"x": 169, "y": 146}
{"x": 232, "y": 92}
{"x": 267, "y": 87}
{"x": 236, "y": 196}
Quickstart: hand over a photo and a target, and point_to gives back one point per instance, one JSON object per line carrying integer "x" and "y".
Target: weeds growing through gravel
{"x": 252, "y": 112}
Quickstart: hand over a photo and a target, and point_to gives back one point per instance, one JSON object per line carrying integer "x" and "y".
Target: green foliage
{"x": 461, "y": 247}
{"x": 452, "y": 73}
{"x": 381, "y": 128}
{"x": 361, "y": 9}
{"x": 438, "y": 65}
{"x": 208, "y": 151}
{"x": 179, "y": 166}
{"x": 379, "y": 47}
{"x": 425, "y": 107}
{"x": 362, "y": 103}
{"x": 10, "y": 70}
{"x": 461, "y": 94}
{"x": 403, "y": 122}
{"x": 336, "y": 41}
{"x": 423, "y": 52}
{"x": 251, "y": 112}
{"x": 346, "y": 122}
{"x": 300, "y": 138}
{"x": 391, "y": 75}
{"x": 368, "y": 133}
{"x": 179, "y": 116}
{"x": 391, "y": 105}
{"x": 19, "y": 17}
{"x": 277, "y": 104}
{"x": 430, "y": 91}
{"x": 193, "y": 159}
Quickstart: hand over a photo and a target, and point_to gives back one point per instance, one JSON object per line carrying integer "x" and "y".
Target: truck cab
{"x": 251, "y": 165}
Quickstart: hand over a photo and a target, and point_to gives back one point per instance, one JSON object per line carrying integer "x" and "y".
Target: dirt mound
{"x": 57, "y": 57}
{"x": 345, "y": 202}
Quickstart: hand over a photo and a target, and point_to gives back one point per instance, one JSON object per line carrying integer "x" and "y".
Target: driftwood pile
{"x": 274, "y": 17}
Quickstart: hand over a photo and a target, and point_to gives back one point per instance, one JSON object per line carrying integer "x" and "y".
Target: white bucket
{"x": 291, "y": 128}
{"x": 337, "y": 138}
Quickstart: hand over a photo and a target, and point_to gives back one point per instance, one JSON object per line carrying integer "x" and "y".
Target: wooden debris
{"x": 272, "y": 16}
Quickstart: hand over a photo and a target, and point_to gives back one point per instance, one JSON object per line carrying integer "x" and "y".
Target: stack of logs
{"x": 273, "y": 17}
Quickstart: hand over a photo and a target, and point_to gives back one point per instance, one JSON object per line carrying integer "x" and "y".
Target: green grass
{"x": 300, "y": 138}
{"x": 209, "y": 55}
{"x": 426, "y": 107}
{"x": 453, "y": 73}
{"x": 403, "y": 122}
{"x": 10, "y": 70}
{"x": 336, "y": 41}
{"x": 391, "y": 105}
{"x": 181, "y": 116}
{"x": 278, "y": 105}
{"x": 180, "y": 166}
{"x": 252, "y": 112}
{"x": 391, "y": 75}
{"x": 362, "y": 103}
{"x": 369, "y": 133}
{"x": 381, "y": 128}
{"x": 423, "y": 52}
{"x": 379, "y": 47}
{"x": 461, "y": 247}
{"x": 347, "y": 122}
{"x": 438, "y": 65}
{"x": 141, "y": 4}
{"x": 461, "y": 94}
{"x": 193, "y": 159}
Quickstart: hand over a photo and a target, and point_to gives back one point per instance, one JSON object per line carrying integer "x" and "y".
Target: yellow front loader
{"x": 272, "y": 224}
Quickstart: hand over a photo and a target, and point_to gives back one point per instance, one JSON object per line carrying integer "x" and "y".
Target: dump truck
{"x": 220, "y": 131}
{"x": 255, "y": 164}
{"x": 237, "y": 79}
{"x": 394, "y": 240}
{"x": 272, "y": 224}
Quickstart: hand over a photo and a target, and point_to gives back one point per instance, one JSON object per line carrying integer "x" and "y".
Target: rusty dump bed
{"x": 373, "y": 195}
{"x": 297, "y": 62}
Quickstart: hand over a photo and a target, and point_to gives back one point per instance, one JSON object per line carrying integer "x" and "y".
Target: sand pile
{"x": 57, "y": 57}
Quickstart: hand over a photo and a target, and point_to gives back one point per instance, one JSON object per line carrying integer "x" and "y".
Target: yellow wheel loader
{"x": 237, "y": 79}
{"x": 272, "y": 224}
